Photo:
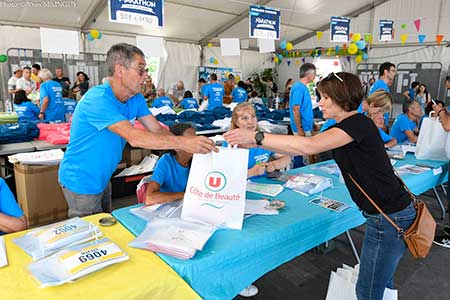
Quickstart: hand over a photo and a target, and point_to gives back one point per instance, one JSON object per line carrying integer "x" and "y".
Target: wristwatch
{"x": 259, "y": 137}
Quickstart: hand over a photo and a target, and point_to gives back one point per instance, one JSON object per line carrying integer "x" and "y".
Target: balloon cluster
{"x": 213, "y": 60}
{"x": 94, "y": 34}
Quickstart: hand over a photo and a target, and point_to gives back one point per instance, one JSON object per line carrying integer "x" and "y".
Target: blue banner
{"x": 137, "y": 12}
{"x": 386, "y": 30}
{"x": 340, "y": 29}
{"x": 264, "y": 22}
{"x": 222, "y": 73}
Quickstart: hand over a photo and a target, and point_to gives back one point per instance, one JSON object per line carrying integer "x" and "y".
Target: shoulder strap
{"x": 375, "y": 205}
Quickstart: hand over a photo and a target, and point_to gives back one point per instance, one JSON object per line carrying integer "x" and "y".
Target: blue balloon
{"x": 212, "y": 59}
{"x": 99, "y": 35}
{"x": 361, "y": 45}
{"x": 288, "y": 62}
{"x": 365, "y": 56}
{"x": 280, "y": 57}
{"x": 90, "y": 37}
{"x": 283, "y": 44}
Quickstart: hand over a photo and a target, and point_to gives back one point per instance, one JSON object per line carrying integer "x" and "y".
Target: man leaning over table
{"x": 101, "y": 126}
{"x": 444, "y": 238}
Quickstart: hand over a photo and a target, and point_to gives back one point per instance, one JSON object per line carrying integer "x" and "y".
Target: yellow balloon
{"x": 352, "y": 49}
{"x": 356, "y": 37}
{"x": 275, "y": 59}
{"x": 289, "y": 46}
{"x": 95, "y": 34}
{"x": 216, "y": 61}
{"x": 238, "y": 78}
{"x": 358, "y": 59}
{"x": 210, "y": 45}
{"x": 297, "y": 62}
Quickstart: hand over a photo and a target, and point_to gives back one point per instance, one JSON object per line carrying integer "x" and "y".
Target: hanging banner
{"x": 264, "y": 22}
{"x": 137, "y": 12}
{"x": 340, "y": 29}
{"x": 386, "y": 30}
{"x": 222, "y": 73}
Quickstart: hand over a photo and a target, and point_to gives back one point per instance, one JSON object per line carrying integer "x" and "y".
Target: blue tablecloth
{"x": 231, "y": 260}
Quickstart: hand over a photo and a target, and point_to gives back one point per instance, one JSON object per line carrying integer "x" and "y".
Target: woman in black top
{"x": 359, "y": 151}
{"x": 81, "y": 85}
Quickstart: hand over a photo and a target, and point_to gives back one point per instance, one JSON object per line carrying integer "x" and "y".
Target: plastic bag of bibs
{"x": 49, "y": 239}
{"x": 308, "y": 184}
{"x": 76, "y": 261}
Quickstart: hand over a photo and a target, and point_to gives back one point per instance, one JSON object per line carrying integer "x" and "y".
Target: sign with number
{"x": 386, "y": 30}
{"x": 137, "y": 12}
{"x": 340, "y": 29}
{"x": 264, "y": 22}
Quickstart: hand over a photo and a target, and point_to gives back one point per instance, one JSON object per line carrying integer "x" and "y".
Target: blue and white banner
{"x": 386, "y": 30}
{"x": 264, "y": 22}
{"x": 222, "y": 73}
{"x": 137, "y": 12}
{"x": 340, "y": 29}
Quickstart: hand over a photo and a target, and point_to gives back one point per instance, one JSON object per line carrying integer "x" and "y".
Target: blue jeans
{"x": 382, "y": 249}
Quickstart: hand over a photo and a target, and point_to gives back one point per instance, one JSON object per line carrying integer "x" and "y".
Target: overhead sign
{"x": 137, "y": 12}
{"x": 264, "y": 22}
{"x": 340, "y": 29}
{"x": 386, "y": 30}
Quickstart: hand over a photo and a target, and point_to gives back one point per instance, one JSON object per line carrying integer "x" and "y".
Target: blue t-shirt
{"x": 214, "y": 92}
{"x": 380, "y": 84}
{"x": 94, "y": 151}
{"x": 170, "y": 175}
{"x": 56, "y": 110}
{"x": 8, "y": 204}
{"x": 189, "y": 103}
{"x": 300, "y": 96}
{"x": 203, "y": 89}
{"x": 411, "y": 93}
{"x": 70, "y": 105}
{"x": 384, "y": 136}
{"x": 27, "y": 111}
{"x": 162, "y": 101}
{"x": 328, "y": 123}
{"x": 239, "y": 95}
{"x": 400, "y": 125}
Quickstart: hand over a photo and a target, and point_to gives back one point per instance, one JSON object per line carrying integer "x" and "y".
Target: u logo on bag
{"x": 215, "y": 181}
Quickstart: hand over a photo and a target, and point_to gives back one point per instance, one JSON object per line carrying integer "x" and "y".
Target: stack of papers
{"x": 164, "y": 210}
{"x": 48, "y": 157}
{"x": 175, "y": 237}
{"x": 308, "y": 184}
{"x": 146, "y": 165}
{"x": 412, "y": 169}
{"x": 265, "y": 189}
{"x": 76, "y": 261}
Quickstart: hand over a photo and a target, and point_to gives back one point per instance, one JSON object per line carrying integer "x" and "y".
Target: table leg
{"x": 438, "y": 198}
{"x": 352, "y": 244}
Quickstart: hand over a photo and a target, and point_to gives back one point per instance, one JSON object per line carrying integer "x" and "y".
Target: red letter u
{"x": 214, "y": 181}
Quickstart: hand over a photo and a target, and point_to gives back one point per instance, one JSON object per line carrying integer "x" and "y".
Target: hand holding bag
{"x": 420, "y": 235}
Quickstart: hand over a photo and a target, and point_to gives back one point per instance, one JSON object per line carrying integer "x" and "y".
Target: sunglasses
{"x": 331, "y": 75}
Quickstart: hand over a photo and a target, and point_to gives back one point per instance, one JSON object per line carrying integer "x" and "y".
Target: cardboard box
{"x": 133, "y": 156}
{"x": 39, "y": 193}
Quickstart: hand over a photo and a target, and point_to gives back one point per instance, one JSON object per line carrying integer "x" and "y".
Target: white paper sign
{"x": 60, "y": 41}
{"x": 151, "y": 46}
{"x": 215, "y": 191}
{"x": 3, "y": 258}
{"x": 266, "y": 45}
{"x": 230, "y": 47}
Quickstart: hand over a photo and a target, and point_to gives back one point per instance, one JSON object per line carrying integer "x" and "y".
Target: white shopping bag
{"x": 342, "y": 285}
{"x": 215, "y": 192}
{"x": 431, "y": 140}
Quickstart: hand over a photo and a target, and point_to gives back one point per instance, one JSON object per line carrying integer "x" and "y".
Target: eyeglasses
{"x": 331, "y": 75}
{"x": 141, "y": 71}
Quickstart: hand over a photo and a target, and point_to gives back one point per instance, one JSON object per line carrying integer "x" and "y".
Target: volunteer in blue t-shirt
{"x": 377, "y": 104}
{"x": 170, "y": 176}
{"x": 300, "y": 102}
{"x": 259, "y": 160}
{"x": 239, "y": 94}
{"x": 162, "y": 99}
{"x": 101, "y": 126}
{"x": 189, "y": 102}
{"x": 12, "y": 218}
{"x": 214, "y": 93}
{"x": 52, "y": 104}
{"x": 25, "y": 109}
{"x": 410, "y": 94}
{"x": 405, "y": 126}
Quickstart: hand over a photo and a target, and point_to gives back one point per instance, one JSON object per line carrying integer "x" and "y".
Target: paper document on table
{"x": 49, "y": 157}
{"x": 3, "y": 257}
{"x": 412, "y": 169}
{"x": 259, "y": 207}
{"x": 146, "y": 165}
{"x": 409, "y": 148}
{"x": 265, "y": 189}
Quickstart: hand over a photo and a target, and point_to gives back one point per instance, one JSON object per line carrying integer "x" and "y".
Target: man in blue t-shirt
{"x": 410, "y": 94}
{"x": 239, "y": 94}
{"x": 101, "y": 126}
{"x": 52, "y": 104}
{"x": 214, "y": 93}
{"x": 162, "y": 99}
{"x": 11, "y": 216}
{"x": 405, "y": 126}
{"x": 300, "y": 102}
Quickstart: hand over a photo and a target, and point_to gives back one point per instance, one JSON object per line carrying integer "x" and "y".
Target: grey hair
{"x": 45, "y": 74}
{"x": 122, "y": 53}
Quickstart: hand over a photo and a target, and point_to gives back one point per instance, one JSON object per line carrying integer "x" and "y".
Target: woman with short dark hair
{"x": 359, "y": 152}
{"x": 25, "y": 109}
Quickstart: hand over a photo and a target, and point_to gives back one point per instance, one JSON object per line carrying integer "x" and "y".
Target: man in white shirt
{"x": 12, "y": 82}
{"x": 177, "y": 92}
{"x": 25, "y": 83}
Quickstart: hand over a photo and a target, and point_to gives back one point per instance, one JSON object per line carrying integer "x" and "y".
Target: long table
{"x": 231, "y": 260}
{"x": 144, "y": 276}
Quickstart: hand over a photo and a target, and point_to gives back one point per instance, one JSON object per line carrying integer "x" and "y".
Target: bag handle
{"x": 376, "y": 206}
